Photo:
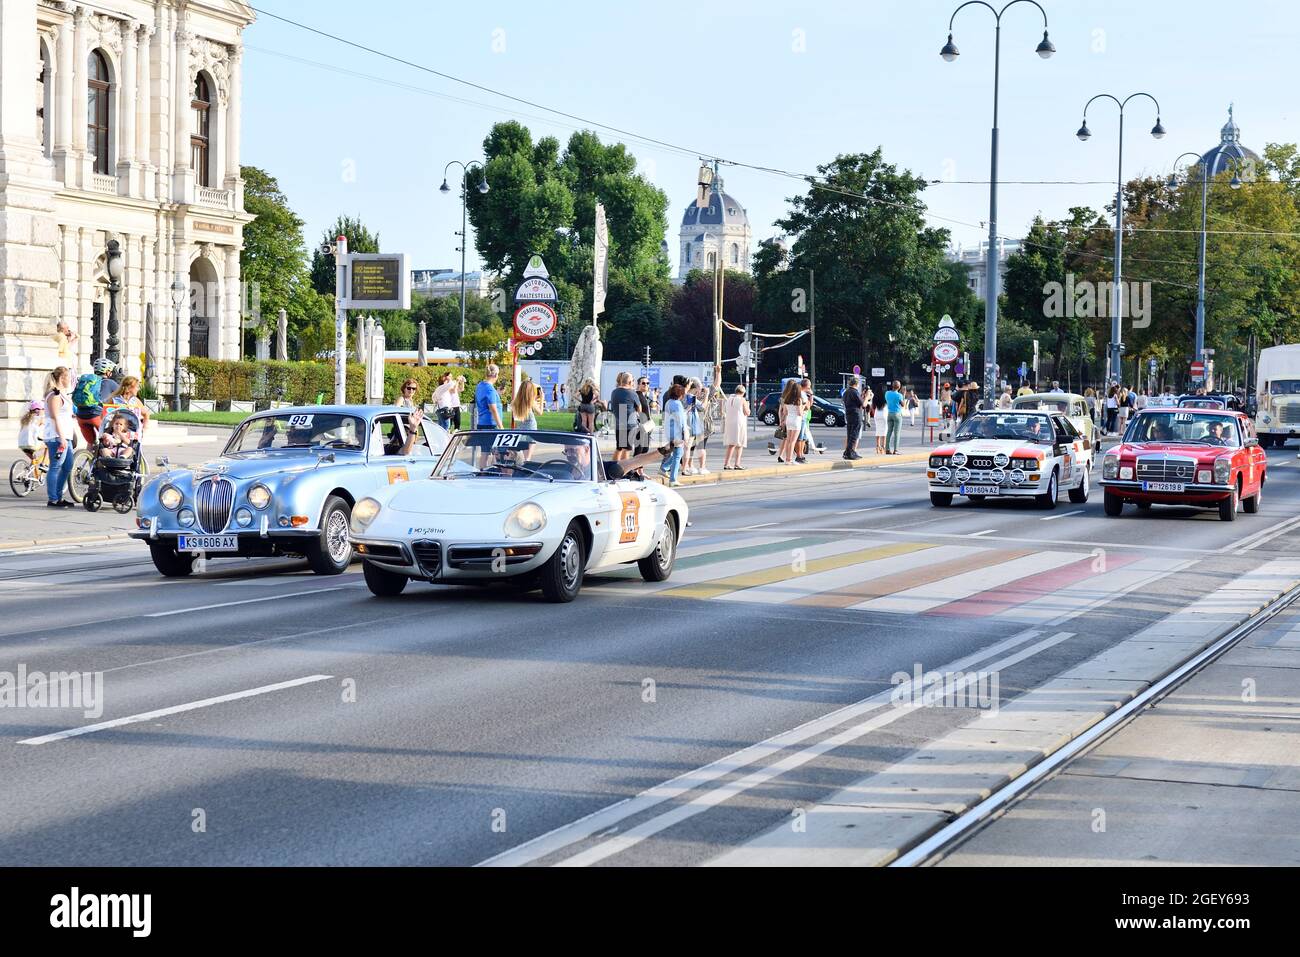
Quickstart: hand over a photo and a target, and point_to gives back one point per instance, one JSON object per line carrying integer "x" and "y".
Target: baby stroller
{"x": 114, "y": 477}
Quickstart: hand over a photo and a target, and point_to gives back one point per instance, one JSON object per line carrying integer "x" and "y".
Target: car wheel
{"x": 769, "y": 418}
{"x": 1113, "y": 504}
{"x": 1228, "y": 506}
{"x": 1048, "y": 499}
{"x": 382, "y": 583}
{"x": 831, "y": 420}
{"x": 1251, "y": 505}
{"x": 941, "y": 499}
{"x": 561, "y": 576}
{"x": 331, "y": 552}
{"x": 658, "y": 565}
{"x": 1079, "y": 494}
{"x": 169, "y": 562}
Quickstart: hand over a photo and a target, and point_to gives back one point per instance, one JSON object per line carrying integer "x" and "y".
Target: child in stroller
{"x": 116, "y": 474}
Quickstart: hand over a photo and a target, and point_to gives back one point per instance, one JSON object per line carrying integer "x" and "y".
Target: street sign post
{"x": 1198, "y": 370}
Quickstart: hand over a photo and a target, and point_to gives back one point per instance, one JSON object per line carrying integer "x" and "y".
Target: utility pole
{"x": 812, "y": 329}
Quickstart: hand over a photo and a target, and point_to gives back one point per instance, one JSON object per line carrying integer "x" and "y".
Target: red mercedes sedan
{"x": 1205, "y": 458}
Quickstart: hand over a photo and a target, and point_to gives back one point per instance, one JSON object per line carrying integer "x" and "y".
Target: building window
{"x": 98, "y": 93}
{"x": 42, "y": 82}
{"x": 735, "y": 254}
{"x": 202, "y": 106}
{"x": 713, "y": 260}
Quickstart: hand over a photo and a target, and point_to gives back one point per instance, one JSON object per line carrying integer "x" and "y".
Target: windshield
{"x": 1284, "y": 387}
{"x": 1043, "y": 405}
{"x": 1199, "y": 428}
{"x": 299, "y": 430}
{"x": 1024, "y": 426}
{"x": 536, "y": 456}
{"x": 1202, "y": 402}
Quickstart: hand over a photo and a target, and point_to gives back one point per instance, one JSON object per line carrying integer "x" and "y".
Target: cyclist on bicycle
{"x": 88, "y": 399}
{"x": 29, "y": 433}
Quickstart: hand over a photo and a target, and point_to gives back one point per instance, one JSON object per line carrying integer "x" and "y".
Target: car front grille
{"x": 981, "y": 462}
{"x": 1289, "y": 414}
{"x": 1163, "y": 469}
{"x": 428, "y": 555}
{"x": 213, "y": 501}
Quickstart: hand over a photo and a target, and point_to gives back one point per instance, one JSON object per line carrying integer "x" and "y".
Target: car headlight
{"x": 527, "y": 519}
{"x": 959, "y": 458}
{"x": 259, "y": 496}
{"x": 1204, "y": 476}
{"x": 186, "y": 517}
{"x": 170, "y": 498}
{"x": 1222, "y": 471}
{"x": 364, "y": 513}
{"x": 938, "y": 461}
{"x": 1110, "y": 467}
{"x": 1017, "y": 477}
{"x": 244, "y": 518}
{"x": 1001, "y": 460}
{"x": 999, "y": 476}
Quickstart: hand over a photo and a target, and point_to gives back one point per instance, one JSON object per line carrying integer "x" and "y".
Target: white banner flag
{"x": 601, "y": 275}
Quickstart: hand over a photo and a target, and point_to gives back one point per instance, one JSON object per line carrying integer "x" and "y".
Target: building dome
{"x": 723, "y": 209}
{"x": 1219, "y": 159}
{"x": 718, "y": 232}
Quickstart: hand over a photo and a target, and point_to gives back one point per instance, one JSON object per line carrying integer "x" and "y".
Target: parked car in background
{"x": 825, "y": 411}
{"x": 285, "y": 484}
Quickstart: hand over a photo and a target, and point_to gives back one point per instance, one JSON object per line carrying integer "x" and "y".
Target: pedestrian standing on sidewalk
{"x": 894, "y": 403}
{"x": 1090, "y": 399}
{"x": 406, "y": 397}
{"x": 645, "y": 421}
{"x": 524, "y": 406}
{"x": 913, "y": 406}
{"x": 1004, "y": 400}
{"x": 852, "y": 419}
{"x": 624, "y": 407}
{"x": 790, "y": 418}
{"x": 735, "y": 429}
{"x": 58, "y": 434}
{"x": 1112, "y": 409}
{"x": 1123, "y": 403}
{"x": 705, "y": 403}
{"x": 584, "y": 418}
{"x": 880, "y": 417}
{"x": 806, "y": 443}
{"x": 446, "y": 398}
{"x": 487, "y": 401}
{"x": 674, "y": 433}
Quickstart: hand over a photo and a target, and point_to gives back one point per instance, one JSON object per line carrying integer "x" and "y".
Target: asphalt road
{"x": 305, "y": 722}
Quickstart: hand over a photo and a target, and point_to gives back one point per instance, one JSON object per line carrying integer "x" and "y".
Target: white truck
{"x": 1277, "y": 393}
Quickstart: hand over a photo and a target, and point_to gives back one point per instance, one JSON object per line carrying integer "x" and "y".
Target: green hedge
{"x": 299, "y": 383}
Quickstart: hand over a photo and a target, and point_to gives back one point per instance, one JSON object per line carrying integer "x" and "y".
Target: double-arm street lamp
{"x": 464, "y": 242}
{"x": 1206, "y": 176}
{"x": 991, "y": 282}
{"x": 1117, "y": 293}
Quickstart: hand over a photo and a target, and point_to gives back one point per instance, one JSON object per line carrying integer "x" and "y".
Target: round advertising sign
{"x": 534, "y": 320}
{"x": 945, "y": 352}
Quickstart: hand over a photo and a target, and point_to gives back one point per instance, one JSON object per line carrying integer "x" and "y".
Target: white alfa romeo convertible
{"x": 537, "y": 508}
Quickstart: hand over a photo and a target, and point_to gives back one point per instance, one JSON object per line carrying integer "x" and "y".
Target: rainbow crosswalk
{"x": 898, "y": 577}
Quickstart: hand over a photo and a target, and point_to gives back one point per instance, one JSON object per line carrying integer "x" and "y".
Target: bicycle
{"x": 26, "y": 476}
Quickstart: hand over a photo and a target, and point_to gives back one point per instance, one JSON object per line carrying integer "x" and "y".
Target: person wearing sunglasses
{"x": 407, "y": 399}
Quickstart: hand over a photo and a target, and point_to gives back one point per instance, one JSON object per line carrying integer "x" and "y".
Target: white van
{"x": 1277, "y": 388}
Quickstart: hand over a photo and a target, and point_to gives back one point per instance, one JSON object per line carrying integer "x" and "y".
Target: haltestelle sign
{"x": 534, "y": 320}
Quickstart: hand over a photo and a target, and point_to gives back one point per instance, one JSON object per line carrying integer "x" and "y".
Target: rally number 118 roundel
{"x": 534, "y": 320}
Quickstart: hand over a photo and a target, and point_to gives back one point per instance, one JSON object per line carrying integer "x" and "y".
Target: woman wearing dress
{"x": 791, "y": 417}
{"x": 880, "y": 415}
{"x": 735, "y": 429}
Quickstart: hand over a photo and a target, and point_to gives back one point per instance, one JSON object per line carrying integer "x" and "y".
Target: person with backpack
{"x": 88, "y": 400}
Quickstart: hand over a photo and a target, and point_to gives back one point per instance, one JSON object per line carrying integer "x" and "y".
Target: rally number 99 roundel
{"x": 534, "y": 320}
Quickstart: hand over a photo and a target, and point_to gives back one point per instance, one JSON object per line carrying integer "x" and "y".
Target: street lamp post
{"x": 1206, "y": 176}
{"x": 1116, "y": 292}
{"x": 112, "y": 348}
{"x": 178, "y": 300}
{"x": 950, "y": 53}
{"x": 464, "y": 231}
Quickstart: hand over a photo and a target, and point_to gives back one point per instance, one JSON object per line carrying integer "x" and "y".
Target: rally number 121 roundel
{"x": 534, "y": 320}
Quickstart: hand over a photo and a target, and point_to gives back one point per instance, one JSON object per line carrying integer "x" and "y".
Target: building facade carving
{"x": 102, "y": 137}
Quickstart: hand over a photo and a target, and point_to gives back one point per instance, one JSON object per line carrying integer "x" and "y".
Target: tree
{"x": 273, "y": 260}
{"x": 484, "y": 345}
{"x": 360, "y": 240}
{"x": 441, "y": 316}
{"x": 863, "y": 232}
{"x": 690, "y": 329}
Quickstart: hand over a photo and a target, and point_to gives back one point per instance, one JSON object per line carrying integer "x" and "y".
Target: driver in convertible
{"x": 578, "y": 457}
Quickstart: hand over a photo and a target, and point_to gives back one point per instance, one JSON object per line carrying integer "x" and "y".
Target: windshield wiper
{"x": 532, "y": 471}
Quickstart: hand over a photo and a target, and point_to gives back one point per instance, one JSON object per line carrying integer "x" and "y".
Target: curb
{"x": 63, "y": 540}
{"x": 777, "y": 471}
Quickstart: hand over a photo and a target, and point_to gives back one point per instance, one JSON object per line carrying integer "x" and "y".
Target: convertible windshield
{"x": 1022, "y": 426}
{"x": 299, "y": 430}
{"x": 1202, "y": 428}
{"x": 535, "y": 456}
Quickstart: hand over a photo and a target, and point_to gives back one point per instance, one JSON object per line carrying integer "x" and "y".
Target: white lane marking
{"x": 1266, "y": 535}
{"x": 730, "y": 789}
{"x": 598, "y": 821}
{"x": 1052, "y": 518}
{"x": 965, "y": 585}
{"x": 248, "y": 601}
{"x": 818, "y": 530}
{"x": 175, "y": 709}
{"x": 987, "y": 531}
{"x": 750, "y": 528}
{"x": 873, "y": 508}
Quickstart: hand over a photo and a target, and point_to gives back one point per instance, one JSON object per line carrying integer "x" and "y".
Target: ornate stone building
{"x": 119, "y": 120}
{"x": 719, "y": 229}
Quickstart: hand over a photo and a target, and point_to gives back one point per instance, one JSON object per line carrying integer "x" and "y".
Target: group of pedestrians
{"x": 882, "y": 409}
{"x": 49, "y": 428}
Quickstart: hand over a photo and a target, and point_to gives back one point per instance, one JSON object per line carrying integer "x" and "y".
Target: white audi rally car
{"x": 537, "y": 508}
{"x": 1015, "y": 453}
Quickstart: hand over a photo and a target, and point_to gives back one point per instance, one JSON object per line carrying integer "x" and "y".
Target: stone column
{"x": 143, "y": 109}
{"x": 127, "y": 106}
{"x": 233, "y": 181}
{"x": 182, "y": 175}
{"x": 29, "y": 263}
{"x": 80, "y": 51}
{"x": 232, "y": 330}
{"x": 65, "y": 77}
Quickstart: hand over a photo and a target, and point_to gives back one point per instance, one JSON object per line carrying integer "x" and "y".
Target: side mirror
{"x": 324, "y": 457}
{"x": 163, "y": 462}
{"x": 1251, "y": 443}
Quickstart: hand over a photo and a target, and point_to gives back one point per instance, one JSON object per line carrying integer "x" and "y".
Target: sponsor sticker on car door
{"x": 630, "y": 520}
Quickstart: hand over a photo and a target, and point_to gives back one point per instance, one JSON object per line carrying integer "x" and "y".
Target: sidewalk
{"x": 1210, "y": 775}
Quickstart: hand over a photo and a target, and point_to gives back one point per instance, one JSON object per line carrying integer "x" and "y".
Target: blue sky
{"x": 782, "y": 85}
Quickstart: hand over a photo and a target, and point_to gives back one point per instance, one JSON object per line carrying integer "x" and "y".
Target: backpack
{"x": 85, "y": 395}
